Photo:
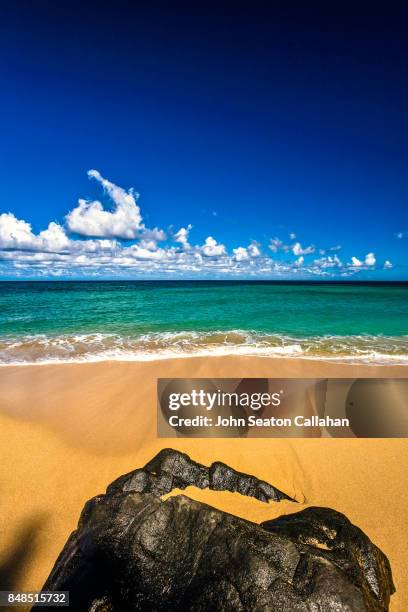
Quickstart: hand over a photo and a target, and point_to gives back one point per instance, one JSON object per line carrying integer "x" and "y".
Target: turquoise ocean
{"x": 42, "y": 322}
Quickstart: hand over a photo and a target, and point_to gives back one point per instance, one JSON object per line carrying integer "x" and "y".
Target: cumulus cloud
{"x": 149, "y": 244}
{"x": 139, "y": 251}
{"x": 17, "y": 234}
{"x": 328, "y": 262}
{"x": 245, "y": 253}
{"x": 54, "y": 238}
{"x": 96, "y": 242}
{"x": 276, "y": 245}
{"x": 337, "y": 247}
{"x": 148, "y": 260}
{"x": 182, "y": 236}
{"x": 211, "y": 248}
{"x": 254, "y": 250}
{"x": 370, "y": 259}
{"x": 14, "y": 233}
{"x": 240, "y": 253}
{"x": 368, "y": 262}
{"x": 91, "y": 219}
{"x": 297, "y": 249}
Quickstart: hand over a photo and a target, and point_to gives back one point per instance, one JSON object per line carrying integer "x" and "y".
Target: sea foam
{"x": 92, "y": 347}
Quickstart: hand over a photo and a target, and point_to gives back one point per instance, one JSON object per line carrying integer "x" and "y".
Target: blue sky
{"x": 277, "y": 132}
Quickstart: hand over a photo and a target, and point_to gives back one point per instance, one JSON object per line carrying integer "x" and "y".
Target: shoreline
{"x": 398, "y": 361}
{"x": 309, "y": 363}
{"x": 98, "y": 347}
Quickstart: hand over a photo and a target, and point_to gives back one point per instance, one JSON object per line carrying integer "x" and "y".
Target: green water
{"x": 68, "y": 320}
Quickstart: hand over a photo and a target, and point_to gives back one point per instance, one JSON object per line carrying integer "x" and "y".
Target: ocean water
{"x": 42, "y": 322}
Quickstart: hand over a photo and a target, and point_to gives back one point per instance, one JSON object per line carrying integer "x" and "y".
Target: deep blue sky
{"x": 278, "y": 116}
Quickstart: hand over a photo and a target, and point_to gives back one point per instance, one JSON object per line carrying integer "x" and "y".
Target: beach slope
{"x": 68, "y": 430}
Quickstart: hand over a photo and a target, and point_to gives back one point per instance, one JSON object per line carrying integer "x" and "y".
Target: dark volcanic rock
{"x": 172, "y": 469}
{"x": 133, "y": 551}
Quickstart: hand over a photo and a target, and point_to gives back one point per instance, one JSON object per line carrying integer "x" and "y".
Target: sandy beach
{"x": 66, "y": 431}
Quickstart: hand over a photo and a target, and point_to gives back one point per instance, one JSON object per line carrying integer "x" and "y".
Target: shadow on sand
{"x": 25, "y": 545}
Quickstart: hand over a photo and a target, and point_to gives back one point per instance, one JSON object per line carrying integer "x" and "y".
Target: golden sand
{"x": 66, "y": 431}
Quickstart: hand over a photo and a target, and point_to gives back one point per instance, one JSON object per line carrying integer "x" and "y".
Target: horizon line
{"x": 215, "y": 280}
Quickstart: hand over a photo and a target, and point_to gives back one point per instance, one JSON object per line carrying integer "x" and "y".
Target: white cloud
{"x": 276, "y": 245}
{"x": 101, "y": 252}
{"x": 150, "y": 245}
{"x": 337, "y": 247}
{"x": 387, "y": 265}
{"x": 241, "y": 253}
{"x": 54, "y": 238}
{"x": 297, "y": 249}
{"x": 140, "y": 252}
{"x": 370, "y": 259}
{"x": 90, "y": 218}
{"x": 292, "y": 236}
{"x": 212, "y": 248}
{"x": 246, "y": 253}
{"x": 369, "y": 262}
{"x": 328, "y": 262}
{"x": 254, "y": 250}
{"x": 152, "y": 234}
{"x": 182, "y": 236}
{"x": 17, "y": 234}
{"x": 101, "y": 258}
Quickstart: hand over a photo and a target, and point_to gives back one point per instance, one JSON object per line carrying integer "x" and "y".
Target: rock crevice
{"x": 171, "y": 469}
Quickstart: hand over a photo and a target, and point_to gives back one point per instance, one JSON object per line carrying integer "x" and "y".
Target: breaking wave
{"x": 164, "y": 345}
